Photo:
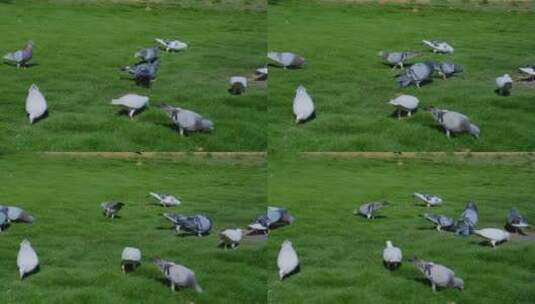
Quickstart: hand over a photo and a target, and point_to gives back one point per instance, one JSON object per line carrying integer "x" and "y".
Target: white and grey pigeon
{"x": 36, "y": 105}
{"x": 439, "y": 46}
{"x": 440, "y": 221}
{"x": 468, "y": 220}
{"x": 231, "y": 237}
{"x": 286, "y": 59}
{"x": 144, "y": 72}
{"x": 166, "y": 200}
{"x": 238, "y": 84}
{"x": 197, "y": 224}
{"x": 515, "y": 221}
{"x": 273, "y": 218}
{"x": 21, "y": 57}
{"x": 447, "y": 69}
{"x": 287, "y": 261}
{"x": 438, "y": 275}
{"x": 504, "y": 84}
{"x": 16, "y": 214}
{"x": 396, "y": 59}
{"x": 179, "y": 276}
{"x": 132, "y": 102}
{"x": 110, "y": 209}
{"x": 303, "y": 106}
{"x": 405, "y": 103}
{"x": 454, "y": 122}
{"x": 188, "y": 121}
{"x": 27, "y": 260}
{"x": 429, "y": 199}
{"x": 369, "y": 209}
{"x": 416, "y": 74}
{"x": 261, "y": 74}
{"x": 130, "y": 259}
{"x": 392, "y": 256}
{"x": 172, "y": 45}
{"x": 529, "y": 70}
{"x": 148, "y": 54}
{"x": 493, "y": 235}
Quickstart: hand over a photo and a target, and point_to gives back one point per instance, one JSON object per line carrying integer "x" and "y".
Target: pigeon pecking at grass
{"x": 287, "y": 261}
{"x": 440, "y": 221}
{"x": 454, "y": 122}
{"x": 16, "y": 214}
{"x": 303, "y": 106}
{"x": 516, "y": 222}
{"x": 493, "y": 235}
{"x": 286, "y": 59}
{"x": 405, "y": 103}
{"x": 528, "y": 70}
{"x": 171, "y": 45}
{"x": 132, "y": 102}
{"x": 396, "y": 59}
{"x": 36, "y": 106}
{"x": 447, "y": 69}
{"x": 238, "y": 84}
{"x": 441, "y": 47}
{"x": 504, "y": 84}
{"x": 416, "y": 74}
{"x": 21, "y": 57}
{"x": 166, "y": 200}
{"x": 392, "y": 256}
{"x": 130, "y": 259}
{"x": 188, "y": 121}
{"x": 177, "y": 275}
{"x": 148, "y": 54}
{"x": 369, "y": 209}
{"x": 273, "y": 218}
{"x": 197, "y": 224}
{"x": 110, "y": 209}
{"x": 27, "y": 260}
{"x": 144, "y": 72}
{"x": 429, "y": 199}
{"x": 438, "y": 275}
{"x": 468, "y": 220}
{"x": 230, "y": 237}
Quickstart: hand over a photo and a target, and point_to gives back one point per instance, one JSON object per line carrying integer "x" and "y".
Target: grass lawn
{"x": 80, "y": 250}
{"x": 350, "y": 85}
{"x": 341, "y": 254}
{"x": 79, "y": 49}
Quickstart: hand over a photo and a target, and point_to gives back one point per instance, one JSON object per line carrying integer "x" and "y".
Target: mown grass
{"x": 341, "y": 254}
{"x": 79, "y": 49}
{"x": 80, "y": 250}
{"x": 350, "y": 85}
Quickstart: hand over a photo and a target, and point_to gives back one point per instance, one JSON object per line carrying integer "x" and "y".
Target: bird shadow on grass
{"x": 28, "y": 274}
{"x": 29, "y": 65}
{"x": 423, "y": 281}
{"x": 188, "y": 235}
{"x": 404, "y": 114}
{"x": 312, "y": 117}
{"x": 38, "y": 119}
{"x": 273, "y": 65}
{"x": 500, "y": 93}
{"x": 294, "y": 272}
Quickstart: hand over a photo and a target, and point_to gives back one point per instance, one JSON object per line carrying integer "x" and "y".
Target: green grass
{"x": 79, "y": 49}
{"x": 341, "y": 254}
{"x": 80, "y": 250}
{"x": 350, "y": 85}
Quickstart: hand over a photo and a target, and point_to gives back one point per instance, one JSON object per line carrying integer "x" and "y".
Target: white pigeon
{"x": 130, "y": 258}
{"x": 287, "y": 261}
{"x": 406, "y": 103}
{"x": 493, "y": 235}
{"x": 35, "y": 104}
{"x": 439, "y": 46}
{"x": 529, "y": 70}
{"x": 504, "y": 84}
{"x": 132, "y": 102}
{"x": 178, "y": 275}
{"x": 27, "y": 260}
{"x": 237, "y": 85}
{"x": 166, "y": 200}
{"x": 429, "y": 199}
{"x": 392, "y": 256}
{"x": 231, "y": 237}
{"x": 286, "y": 59}
{"x": 303, "y": 105}
{"x": 172, "y": 45}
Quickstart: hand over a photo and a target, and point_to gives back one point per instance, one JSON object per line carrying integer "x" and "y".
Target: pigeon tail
{"x": 9, "y": 56}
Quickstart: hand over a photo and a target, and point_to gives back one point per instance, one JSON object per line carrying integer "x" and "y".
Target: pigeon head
{"x": 33, "y": 88}
{"x": 474, "y": 130}
{"x": 286, "y": 243}
{"x": 389, "y": 244}
{"x": 457, "y": 283}
{"x": 381, "y": 53}
{"x": 24, "y": 243}
{"x": 207, "y": 125}
{"x": 458, "y": 68}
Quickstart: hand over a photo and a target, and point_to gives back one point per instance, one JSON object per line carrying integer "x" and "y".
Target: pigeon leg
{"x": 409, "y": 113}
{"x": 233, "y": 245}
{"x": 172, "y": 286}
{"x": 21, "y": 272}
{"x": 199, "y": 234}
{"x": 181, "y": 132}
{"x": 439, "y": 228}
{"x": 448, "y": 133}
{"x": 131, "y": 113}
{"x": 18, "y": 65}
{"x": 123, "y": 268}
{"x": 493, "y": 243}
{"x": 418, "y": 85}
{"x": 399, "y": 114}
{"x": 401, "y": 65}
{"x": 434, "y": 287}
{"x": 177, "y": 229}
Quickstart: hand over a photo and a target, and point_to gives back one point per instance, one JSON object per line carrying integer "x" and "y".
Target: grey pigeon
{"x": 504, "y": 84}
{"x": 369, "y": 209}
{"x": 130, "y": 259}
{"x": 405, "y": 103}
{"x": 144, "y": 72}
{"x": 148, "y": 54}
{"x": 4, "y": 220}
{"x": 392, "y": 256}
{"x": 231, "y": 237}
{"x": 438, "y": 275}
{"x": 110, "y": 209}
{"x": 515, "y": 221}
{"x": 439, "y": 46}
{"x": 493, "y": 235}
{"x": 132, "y": 102}
{"x": 287, "y": 59}
{"x": 447, "y": 69}
{"x": 396, "y": 59}
{"x": 188, "y": 121}
{"x": 166, "y": 200}
{"x": 16, "y": 214}
{"x": 198, "y": 224}
{"x": 440, "y": 221}
{"x": 454, "y": 122}
{"x": 416, "y": 74}
{"x": 36, "y": 106}
{"x": 428, "y": 199}
{"x": 21, "y": 57}
{"x": 468, "y": 219}
{"x": 172, "y": 45}
{"x": 238, "y": 84}
{"x": 287, "y": 260}
{"x": 178, "y": 275}
{"x": 27, "y": 260}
